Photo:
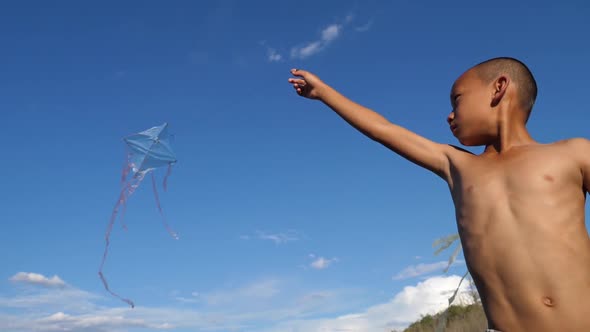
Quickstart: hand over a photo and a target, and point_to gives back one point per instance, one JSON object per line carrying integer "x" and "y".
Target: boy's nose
{"x": 451, "y": 117}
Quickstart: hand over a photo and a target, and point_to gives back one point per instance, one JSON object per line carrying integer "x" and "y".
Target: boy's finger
{"x": 297, "y": 81}
{"x": 298, "y": 72}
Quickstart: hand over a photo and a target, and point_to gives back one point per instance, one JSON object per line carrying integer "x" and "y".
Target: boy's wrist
{"x": 323, "y": 91}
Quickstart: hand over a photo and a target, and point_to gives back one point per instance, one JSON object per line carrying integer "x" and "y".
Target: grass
{"x": 468, "y": 318}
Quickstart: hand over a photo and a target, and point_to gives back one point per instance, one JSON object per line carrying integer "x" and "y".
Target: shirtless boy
{"x": 519, "y": 205}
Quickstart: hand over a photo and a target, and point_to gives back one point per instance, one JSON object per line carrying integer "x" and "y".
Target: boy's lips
{"x": 453, "y": 127}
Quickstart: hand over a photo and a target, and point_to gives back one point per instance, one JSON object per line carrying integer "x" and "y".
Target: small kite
{"x": 146, "y": 152}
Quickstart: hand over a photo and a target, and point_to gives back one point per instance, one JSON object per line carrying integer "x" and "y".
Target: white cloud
{"x": 240, "y": 308}
{"x": 421, "y": 269}
{"x": 64, "y": 322}
{"x": 277, "y": 238}
{"x": 321, "y": 263}
{"x": 427, "y": 297}
{"x": 194, "y": 298}
{"x": 260, "y": 290}
{"x": 331, "y": 32}
{"x": 328, "y": 35}
{"x": 67, "y": 298}
{"x": 269, "y": 303}
{"x": 273, "y": 55}
{"x": 307, "y": 50}
{"x": 37, "y": 279}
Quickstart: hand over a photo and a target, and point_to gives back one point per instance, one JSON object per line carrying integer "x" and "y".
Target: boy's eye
{"x": 455, "y": 100}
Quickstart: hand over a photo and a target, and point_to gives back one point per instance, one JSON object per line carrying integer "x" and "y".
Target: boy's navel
{"x": 548, "y": 301}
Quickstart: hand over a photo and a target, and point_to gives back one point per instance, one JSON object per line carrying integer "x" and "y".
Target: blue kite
{"x": 146, "y": 152}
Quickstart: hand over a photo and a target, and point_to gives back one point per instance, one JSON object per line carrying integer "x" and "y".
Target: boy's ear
{"x": 499, "y": 89}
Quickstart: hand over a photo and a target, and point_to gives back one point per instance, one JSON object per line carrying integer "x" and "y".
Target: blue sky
{"x": 289, "y": 219}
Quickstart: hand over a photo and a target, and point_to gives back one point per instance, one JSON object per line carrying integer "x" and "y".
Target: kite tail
{"x": 124, "y": 186}
{"x": 168, "y": 172}
{"x": 106, "y": 286}
{"x": 126, "y": 191}
{"x": 130, "y": 189}
{"x": 174, "y": 235}
{"x": 125, "y": 172}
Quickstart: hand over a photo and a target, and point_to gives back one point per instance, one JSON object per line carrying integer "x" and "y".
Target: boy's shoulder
{"x": 574, "y": 144}
{"x": 575, "y": 149}
{"x": 576, "y": 141}
{"x": 563, "y": 144}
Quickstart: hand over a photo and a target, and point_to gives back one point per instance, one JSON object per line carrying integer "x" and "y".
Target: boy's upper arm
{"x": 417, "y": 149}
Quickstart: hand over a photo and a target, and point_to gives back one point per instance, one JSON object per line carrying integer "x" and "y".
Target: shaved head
{"x": 518, "y": 72}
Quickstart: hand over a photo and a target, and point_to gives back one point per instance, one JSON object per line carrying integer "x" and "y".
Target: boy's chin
{"x": 470, "y": 142}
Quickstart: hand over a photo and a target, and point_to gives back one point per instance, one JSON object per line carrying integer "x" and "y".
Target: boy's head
{"x": 486, "y": 92}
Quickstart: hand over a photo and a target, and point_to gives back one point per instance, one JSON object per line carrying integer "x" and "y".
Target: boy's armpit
{"x": 581, "y": 150}
{"x": 461, "y": 149}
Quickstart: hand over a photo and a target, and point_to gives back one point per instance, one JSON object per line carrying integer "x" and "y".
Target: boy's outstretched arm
{"x": 417, "y": 149}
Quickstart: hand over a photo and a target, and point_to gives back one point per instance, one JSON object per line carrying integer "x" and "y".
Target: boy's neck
{"x": 512, "y": 132}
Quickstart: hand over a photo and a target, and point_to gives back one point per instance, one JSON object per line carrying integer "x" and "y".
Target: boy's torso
{"x": 520, "y": 215}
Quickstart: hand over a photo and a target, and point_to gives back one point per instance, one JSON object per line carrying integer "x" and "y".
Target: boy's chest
{"x": 519, "y": 176}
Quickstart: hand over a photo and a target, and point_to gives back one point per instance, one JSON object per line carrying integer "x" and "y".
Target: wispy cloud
{"x": 37, "y": 279}
{"x": 68, "y": 298}
{"x": 71, "y": 309}
{"x": 364, "y": 27}
{"x": 268, "y": 303}
{"x": 331, "y": 32}
{"x": 421, "y": 269}
{"x": 320, "y": 263}
{"x": 260, "y": 290}
{"x": 315, "y": 297}
{"x": 273, "y": 55}
{"x": 65, "y": 322}
{"x": 327, "y": 35}
{"x": 427, "y": 297}
{"x": 194, "y": 297}
{"x": 277, "y": 238}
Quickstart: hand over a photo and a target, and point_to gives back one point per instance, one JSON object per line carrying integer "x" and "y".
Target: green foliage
{"x": 458, "y": 319}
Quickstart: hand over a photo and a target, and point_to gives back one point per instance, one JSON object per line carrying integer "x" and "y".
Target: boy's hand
{"x": 309, "y": 85}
